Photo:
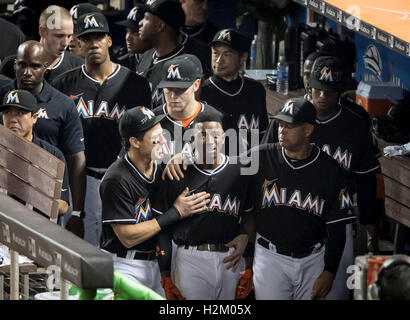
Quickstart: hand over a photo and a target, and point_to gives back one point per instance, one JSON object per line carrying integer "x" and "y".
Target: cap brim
{"x": 5, "y": 106}
{"x": 127, "y": 24}
{"x": 328, "y": 86}
{"x": 92, "y": 31}
{"x": 175, "y": 84}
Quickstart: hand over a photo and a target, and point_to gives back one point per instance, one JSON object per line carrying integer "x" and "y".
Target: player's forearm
{"x": 132, "y": 234}
{"x": 336, "y": 238}
{"x": 76, "y": 172}
{"x": 366, "y": 197}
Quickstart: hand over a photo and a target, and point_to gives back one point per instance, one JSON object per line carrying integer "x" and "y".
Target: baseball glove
{"x": 244, "y": 286}
{"x": 171, "y": 291}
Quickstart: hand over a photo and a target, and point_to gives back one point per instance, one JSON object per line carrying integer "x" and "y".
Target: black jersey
{"x": 58, "y": 122}
{"x": 67, "y": 62}
{"x": 126, "y": 196}
{"x": 150, "y": 66}
{"x": 242, "y": 101}
{"x": 204, "y": 32}
{"x": 4, "y": 80}
{"x": 174, "y": 131}
{"x": 101, "y": 106}
{"x": 229, "y": 199}
{"x": 295, "y": 199}
{"x": 128, "y": 60}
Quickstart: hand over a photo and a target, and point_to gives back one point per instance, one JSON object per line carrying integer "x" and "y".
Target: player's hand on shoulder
{"x": 239, "y": 243}
{"x": 173, "y": 168}
{"x": 187, "y": 204}
{"x": 322, "y": 285}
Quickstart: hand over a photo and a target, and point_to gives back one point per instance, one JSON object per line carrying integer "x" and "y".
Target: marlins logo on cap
{"x": 225, "y": 35}
{"x": 90, "y": 22}
{"x": 288, "y": 108}
{"x": 326, "y": 74}
{"x": 133, "y": 14}
{"x": 150, "y": 2}
{"x": 148, "y": 113}
{"x": 74, "y": 12}
{"x": 173, "y": 72}
{"x": 13, "y": 97}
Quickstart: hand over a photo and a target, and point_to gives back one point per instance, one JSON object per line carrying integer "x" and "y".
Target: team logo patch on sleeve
{"x": 345, "y": 201}
{"x": 142, "y": 210}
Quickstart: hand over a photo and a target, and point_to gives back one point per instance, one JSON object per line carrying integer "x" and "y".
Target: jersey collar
{"x": 59, "y": 62}
{"x": 226, "y": 87}
{"x": 112, "y": 75}
{"x": 331, "y": 118}
{"x": 164, "y": 110}
{"x": 172, "y": 54}
{"x": 139, "y": 173}
{"x": 224, "y": 163}
{"x": 302, "y": 163}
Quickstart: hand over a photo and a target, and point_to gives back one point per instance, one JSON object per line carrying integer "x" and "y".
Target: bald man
{"x": 56, "y": 29}
{"x": 58, "y": 121}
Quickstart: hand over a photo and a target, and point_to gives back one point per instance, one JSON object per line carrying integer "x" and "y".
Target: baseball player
{"x": 299, "y": 224}
{"x": 160, "y": 27}
{"x": 242, "y": 99}
{"x": 127, "y": 191}
{"x": 56, "y": 29}
{"x": 181, "y": 79}
{"x": 57, "y": 122}
{"x": 135, "y": 46}
{"x": 345, "y": 136}
{"x": 76, "y": 11}
{"x": 197, "y": 24}
{"x": 101, "y": 91}
{"x": 19, "y": 114}
{"x": 209, "y": 244}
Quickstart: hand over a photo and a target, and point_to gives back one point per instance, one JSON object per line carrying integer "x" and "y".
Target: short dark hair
{"x": 209, "y": 116}
{"x": 125, "y": 141}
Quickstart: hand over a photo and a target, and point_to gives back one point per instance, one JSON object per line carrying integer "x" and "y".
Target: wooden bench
{"x": 33, "y": 175}
{"x": 396, "y": 174}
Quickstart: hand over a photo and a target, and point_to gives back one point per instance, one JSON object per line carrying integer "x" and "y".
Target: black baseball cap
{"x": 92, "y": 23}
{"x": 170, "y": 11}
{"x": 181, "y": 72}
{"x": 327, "y": 74}
{"x": 233, "y": 39}
{"x": 133, "y": 19}
{"x": 137, "y": 120}
{"x": 21, "y": 99}
{"x": 297, "y": 111}
{"x": 81, "y": 9}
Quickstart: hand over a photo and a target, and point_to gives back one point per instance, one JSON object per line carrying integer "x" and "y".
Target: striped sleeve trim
{"x": 344, "y": 220}
{"x": 248, "y": 210}
{"x": 364, "y": 172}
{"x": 157, "y": 211}
{"x": 119, "y": 220}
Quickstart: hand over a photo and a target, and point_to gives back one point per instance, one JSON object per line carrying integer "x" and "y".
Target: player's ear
{"x": 244, "y": 57}
{"x": 134, "y": 142}
{"x": 34, "y": 117}
{"x": 109, "y": 40}
{"x": 308, "y": 129}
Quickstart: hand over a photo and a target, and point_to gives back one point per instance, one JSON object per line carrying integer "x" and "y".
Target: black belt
{"x": 216, "y": 247}
{"x": 94, "y": 174}
{"x": 286, "y": 252}
{"x": 139, "y": 255}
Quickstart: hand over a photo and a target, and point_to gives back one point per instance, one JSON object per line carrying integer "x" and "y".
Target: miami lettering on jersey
{"x": 230, "y": 206}
{"x": 86, "y": 110}
{"x": 244, "y": 124}
{"x": 343, "y": 158}
{"x": 142, "y": 210}
{"x": 169, "y": 148}
{"x": 272, "y": 195}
